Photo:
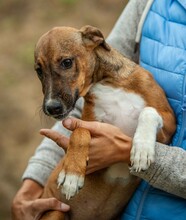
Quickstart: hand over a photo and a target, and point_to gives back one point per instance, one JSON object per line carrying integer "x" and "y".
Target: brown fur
{"x": 93, "y": 61}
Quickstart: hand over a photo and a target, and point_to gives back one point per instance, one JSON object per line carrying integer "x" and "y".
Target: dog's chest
{"x": 117, "y": 107}
{"x": 122, "y": 109}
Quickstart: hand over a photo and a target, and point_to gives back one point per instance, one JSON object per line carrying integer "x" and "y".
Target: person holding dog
{"x": 153, "y": 33}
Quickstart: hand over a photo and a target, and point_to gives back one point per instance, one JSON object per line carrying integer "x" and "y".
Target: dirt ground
{"x": 21, "y": 24}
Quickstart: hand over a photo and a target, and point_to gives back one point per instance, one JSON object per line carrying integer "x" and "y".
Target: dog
{"x": 72, "y": 63}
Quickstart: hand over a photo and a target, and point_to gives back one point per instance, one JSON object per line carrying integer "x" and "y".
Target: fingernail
{"x": 64, "y": 207}
{"x": 67, "y": 123}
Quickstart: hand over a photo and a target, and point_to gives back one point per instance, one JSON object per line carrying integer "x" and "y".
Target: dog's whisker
{"x": 44, "y": 120}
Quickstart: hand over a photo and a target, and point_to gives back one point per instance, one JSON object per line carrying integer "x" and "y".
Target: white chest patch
{"x": 118, "y": 107}
{"x": 122, "y": 109}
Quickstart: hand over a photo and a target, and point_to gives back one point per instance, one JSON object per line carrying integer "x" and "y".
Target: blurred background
{"x": 21, "y": 24}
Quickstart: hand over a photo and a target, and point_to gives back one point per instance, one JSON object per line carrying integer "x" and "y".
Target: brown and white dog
{"x": 75, "y": 63}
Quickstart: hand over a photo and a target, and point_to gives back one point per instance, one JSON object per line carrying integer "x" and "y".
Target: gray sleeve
{"x": 168, "y": 172}
{"x": 48, "y": 154}
{"x": 122, "y": 36}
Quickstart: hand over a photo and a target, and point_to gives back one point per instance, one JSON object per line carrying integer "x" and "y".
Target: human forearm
{"x": 168, "y": 172}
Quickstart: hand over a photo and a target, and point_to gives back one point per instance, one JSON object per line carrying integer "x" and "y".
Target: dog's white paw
{"x": 142, "y": 155}
{"x": 143, "y": 149}
{"x": 70, "y": 184}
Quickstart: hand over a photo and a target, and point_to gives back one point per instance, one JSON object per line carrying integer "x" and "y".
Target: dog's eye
{"x": 39, "y": 72}
{"x": 66, "y": 63}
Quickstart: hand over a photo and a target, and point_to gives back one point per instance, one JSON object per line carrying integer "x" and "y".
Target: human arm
{"x": 167, "y": 173}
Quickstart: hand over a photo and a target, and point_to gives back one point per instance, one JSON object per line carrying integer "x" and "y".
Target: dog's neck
{"x": 111, "y": 64}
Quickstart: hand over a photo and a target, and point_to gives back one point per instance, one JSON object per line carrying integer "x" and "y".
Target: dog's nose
{"x": 53, "y": 107}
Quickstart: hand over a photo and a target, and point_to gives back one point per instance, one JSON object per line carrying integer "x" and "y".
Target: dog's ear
{"x": 92, "y": 37}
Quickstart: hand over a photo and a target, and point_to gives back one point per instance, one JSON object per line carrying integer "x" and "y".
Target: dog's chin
{"x": 62, "y": 115}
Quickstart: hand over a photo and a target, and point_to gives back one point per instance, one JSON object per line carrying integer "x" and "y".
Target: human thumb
{"x": 50, "y": 204}
{"x": 73, "y": 123}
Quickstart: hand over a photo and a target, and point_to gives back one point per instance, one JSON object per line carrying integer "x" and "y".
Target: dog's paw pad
{"x": 71, "y": 183}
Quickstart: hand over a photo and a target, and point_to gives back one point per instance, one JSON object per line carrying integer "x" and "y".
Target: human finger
{"x": 49, "y": 204}
{"x": 60, "y": 139}
{"x": 41, "y": 205}
{"x": 73, "y": 123}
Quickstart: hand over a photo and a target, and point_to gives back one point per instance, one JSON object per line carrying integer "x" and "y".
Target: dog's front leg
{"x": 71, "y": 177}
{"x": 143, "y": 148}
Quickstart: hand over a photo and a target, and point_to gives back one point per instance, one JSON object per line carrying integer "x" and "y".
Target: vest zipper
{"x": 180, "y": 138}
{"x": 141, "y": 204}
{"x": 183, "y": 124}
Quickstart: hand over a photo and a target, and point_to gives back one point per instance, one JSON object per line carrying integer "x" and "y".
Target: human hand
{"x": 27, "y": 204}
{"x": 108, "y": 144}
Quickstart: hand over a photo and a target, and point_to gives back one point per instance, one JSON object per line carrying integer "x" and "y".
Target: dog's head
{"x": 65, "y": 62}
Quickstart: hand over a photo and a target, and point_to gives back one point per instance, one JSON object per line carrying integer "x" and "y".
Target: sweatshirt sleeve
{"x": 168, "y": 172}
{"x": 48, "y": 154}
{"x": 122, "y": 37}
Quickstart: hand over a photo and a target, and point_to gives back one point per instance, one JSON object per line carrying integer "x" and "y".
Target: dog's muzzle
{"x": 60, "y": 108}
{"x": 53, "y": 107}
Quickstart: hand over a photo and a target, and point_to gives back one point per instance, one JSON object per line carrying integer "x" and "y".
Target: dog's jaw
{"x": 64, "y": 115}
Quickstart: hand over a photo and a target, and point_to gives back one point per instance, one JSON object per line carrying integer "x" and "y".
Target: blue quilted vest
{"x": 163, "y": 53}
